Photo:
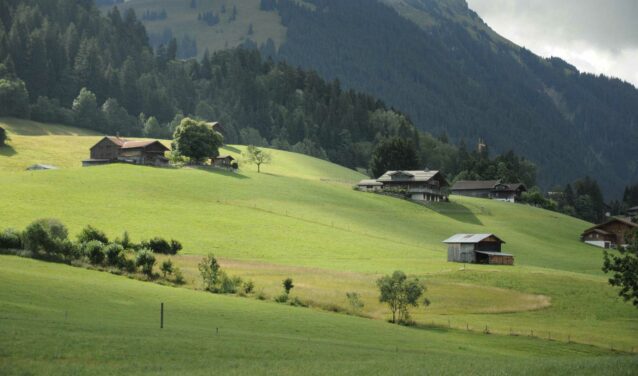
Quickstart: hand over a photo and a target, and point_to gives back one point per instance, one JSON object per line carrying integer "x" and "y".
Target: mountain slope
{"x": 437, "y": 61}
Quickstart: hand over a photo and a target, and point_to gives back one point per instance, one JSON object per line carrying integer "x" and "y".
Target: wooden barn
{"x": 610, "y": 234}
{"x": 223, "y": 161}
{"x": 116, "y": 149}
{"x": 478, "y": 249}
{"x": 420, "y": 185}
{"x": 493, "y": 189}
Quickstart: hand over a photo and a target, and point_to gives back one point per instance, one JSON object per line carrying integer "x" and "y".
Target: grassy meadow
{"x": 182, "y": 19}
{"x": 301, "y": 218}
{"x": 58, "y": 319}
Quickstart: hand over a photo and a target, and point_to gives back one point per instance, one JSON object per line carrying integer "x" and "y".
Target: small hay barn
{"x": 478, "y": 249}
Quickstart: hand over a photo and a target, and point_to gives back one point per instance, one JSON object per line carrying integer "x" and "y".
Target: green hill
{"x": 301, "y": 218}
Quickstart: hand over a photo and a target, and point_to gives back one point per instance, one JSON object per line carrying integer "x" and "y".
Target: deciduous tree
{"x": 197, "y": 140}
{"x": 257, "y": 156}
{"x": 624, "y": 269}
{"x": 400, "y": 293}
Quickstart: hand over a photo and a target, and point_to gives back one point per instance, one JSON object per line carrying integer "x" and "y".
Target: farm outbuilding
{"x": 478, "y": 249}
{"x": 116, "y": 149}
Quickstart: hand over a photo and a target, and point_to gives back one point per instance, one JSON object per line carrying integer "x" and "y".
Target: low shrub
{"x": 261, "y": 295}
{"x": 127, "y": 264}
{"x": 10, "y": 239}
{"x": 114, "y": 254}
{"x": 90, "y": 233}
{"x": 248, "y": 287}
{"x": 160, "y": 245}
{"x": 228, "y": 284}
{"x": 283, "y": 298}
{"x": 145, "y": 260}
{"x": 178, "y": 276}
{"x": 94, "y": 251}
{"x": 166, "y": 268}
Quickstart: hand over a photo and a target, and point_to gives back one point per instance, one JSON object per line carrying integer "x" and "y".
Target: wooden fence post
{"x": 162, "y": 315}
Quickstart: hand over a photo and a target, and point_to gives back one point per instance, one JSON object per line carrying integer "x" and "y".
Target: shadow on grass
{"x": 7, "y": 151}
{"x": 456, "y": 212}
{"x": 232, "y": 148}
{"x": 219, "y": 171}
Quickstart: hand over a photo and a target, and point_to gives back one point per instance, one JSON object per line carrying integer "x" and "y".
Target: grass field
{"x": 62, "y": 320}
{"x": 182, "y": 19}
{"x": 301, "y": 218}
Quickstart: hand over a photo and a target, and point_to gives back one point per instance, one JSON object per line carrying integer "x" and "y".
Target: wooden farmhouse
{"x": 492, "y": 189}
{"x": 610, "y": 234}
{"x": 223, "y": 161}
{"x": 116, "y": 149}
{"x": 418, "y": 185}
{"x": 477, "y": 249}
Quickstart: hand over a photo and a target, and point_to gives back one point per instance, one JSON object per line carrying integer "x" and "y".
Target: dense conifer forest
{"x": 456, "y": 78}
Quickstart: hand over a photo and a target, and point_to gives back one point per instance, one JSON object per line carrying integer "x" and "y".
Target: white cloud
{"x": 599, "y": 37}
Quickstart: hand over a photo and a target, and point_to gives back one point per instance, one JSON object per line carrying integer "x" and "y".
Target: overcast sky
{"x": 597, "y": 36}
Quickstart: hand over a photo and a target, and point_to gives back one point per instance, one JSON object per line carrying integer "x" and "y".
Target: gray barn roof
{"x": 408, "y": 175}
{"x": 469, "y": 238}
{"x": 462, "y": 185}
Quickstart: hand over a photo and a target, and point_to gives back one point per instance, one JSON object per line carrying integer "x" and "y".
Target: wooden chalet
{"x": 493, "y": 189}
{"x": 477, "y": 249}
{"x": 632, "y": 212}
{"x": 116, "y": 149}
{"x": 612, "y": 233}
{"x": 420, "y": 185}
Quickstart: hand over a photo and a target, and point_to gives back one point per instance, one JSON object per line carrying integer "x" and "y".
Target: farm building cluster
{"x": 150, "y": 153}
{"x": 418, "y": 185}
{"x": 493, "y": 189}
{"x": 612, "y": 233}
{"x": 431, "y": 185}
{"x": 477, "y": 249}
{"x": 116, "y": 149}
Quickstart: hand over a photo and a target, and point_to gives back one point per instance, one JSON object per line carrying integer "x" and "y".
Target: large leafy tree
{"x": 394, "y": 154}
{"x": 196, "y": 140}
{"x": 624, "y": 269}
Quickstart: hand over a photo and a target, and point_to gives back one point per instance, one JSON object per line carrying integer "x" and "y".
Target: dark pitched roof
{"x": 463, "y": 185}
{"x": 127, "y": 144}
{"x": 142, "y": 144}
{"x": 411, "y": 176}
{"x": 610, "y": 220}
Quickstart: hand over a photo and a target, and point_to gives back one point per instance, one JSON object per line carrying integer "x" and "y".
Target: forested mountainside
{"x": 439, "y": 63}
{"x": 453, "y": 76}
{"x": 62, "y": 61}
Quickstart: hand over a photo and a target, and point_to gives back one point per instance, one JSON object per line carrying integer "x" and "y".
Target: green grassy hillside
{"x": 182, "y": 19}
{"x": 62, "y": 320}
{"x": 301, "y": 218}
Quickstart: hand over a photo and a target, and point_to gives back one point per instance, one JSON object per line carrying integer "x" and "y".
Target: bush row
{"x": 49, "y": 239}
